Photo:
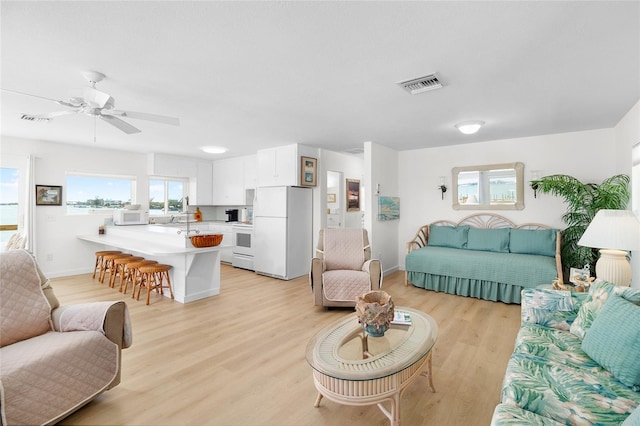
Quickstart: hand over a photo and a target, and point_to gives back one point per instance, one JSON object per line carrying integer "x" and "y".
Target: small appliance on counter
{"x": 232, "y": 215}
{"x": 130, "y": 217}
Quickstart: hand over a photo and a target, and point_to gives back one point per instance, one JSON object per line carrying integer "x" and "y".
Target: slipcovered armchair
{"x": 343, "y": 268}
{"x": 55, "y": 359}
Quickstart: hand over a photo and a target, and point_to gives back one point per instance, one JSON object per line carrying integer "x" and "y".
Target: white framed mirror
{"x": 488, "y": 187}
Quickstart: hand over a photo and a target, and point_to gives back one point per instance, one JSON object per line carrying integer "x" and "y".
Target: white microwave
{"x": 130, "y": 217}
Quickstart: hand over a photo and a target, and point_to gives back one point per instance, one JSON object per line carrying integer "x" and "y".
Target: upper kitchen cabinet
{"x": 231, "y": 178}
{"x": 280, "y": 166}
{"x": 250, "y": 172}
{"x": 201, "y": 188}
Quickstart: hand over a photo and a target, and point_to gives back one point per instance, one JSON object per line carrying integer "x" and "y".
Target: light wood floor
{"x": 239, "y": 358}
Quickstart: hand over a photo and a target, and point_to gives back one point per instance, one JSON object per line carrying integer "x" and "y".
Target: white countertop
{"x": 146, "y": 248}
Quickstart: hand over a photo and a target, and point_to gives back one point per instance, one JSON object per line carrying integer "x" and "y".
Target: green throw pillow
{"x": 533, "y": 241}
{"x": 598, "y": 295}
{"x": 489, "y": 239}
{"x": 448, "y": 236}
{"x": 613, "y": 340}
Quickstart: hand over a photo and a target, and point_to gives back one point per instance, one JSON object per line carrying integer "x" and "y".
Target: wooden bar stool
{"x": 133, "y": 275}
{"x": 100, "y": 261}
{"x": 107, "y": 264}
{"x": 119, "y": 266}
{"x": 154, "y": 277}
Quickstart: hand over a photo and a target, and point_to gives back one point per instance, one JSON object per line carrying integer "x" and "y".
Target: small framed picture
{"x": 47, "y": 195}
{"x": 331, "y": 198}
{"x": 353, "y": 195}
{"x": 308, "y": 171}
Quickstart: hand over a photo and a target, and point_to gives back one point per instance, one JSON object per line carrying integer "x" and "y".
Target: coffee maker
{"x": 232, "y": 215}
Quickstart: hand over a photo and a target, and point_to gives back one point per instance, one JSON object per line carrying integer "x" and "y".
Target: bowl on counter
{"x": 210, "y": 240}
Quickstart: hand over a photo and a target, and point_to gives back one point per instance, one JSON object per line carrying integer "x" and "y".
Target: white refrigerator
{"x": 283, "y": 231}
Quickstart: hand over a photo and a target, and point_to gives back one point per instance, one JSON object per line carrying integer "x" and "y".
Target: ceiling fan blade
{"x": 36, "y": 96}
{"x": 120, "y": 124}
{"x": 49, "y": 115}
{"x": 145, "y": 116}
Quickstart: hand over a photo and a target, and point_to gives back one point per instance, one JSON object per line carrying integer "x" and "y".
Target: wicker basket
{"x": 206, "y": 240}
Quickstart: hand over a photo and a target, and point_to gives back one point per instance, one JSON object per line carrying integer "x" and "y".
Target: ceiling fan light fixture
{"x": 469, "y": 127}
{"x": 214, "y": 149}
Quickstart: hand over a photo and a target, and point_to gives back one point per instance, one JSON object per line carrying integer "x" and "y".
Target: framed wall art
{"x": 388, "y": 208}
{"x": 353, "y": 195}
{"x": 47, "y": 195}
{"x": 308, "y": 171}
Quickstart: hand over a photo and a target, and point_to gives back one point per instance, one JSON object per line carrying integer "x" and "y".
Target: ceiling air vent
{"x": 354, "y": 150}
{"x": 34, "y": 118}
{"x": 421, "y": 84}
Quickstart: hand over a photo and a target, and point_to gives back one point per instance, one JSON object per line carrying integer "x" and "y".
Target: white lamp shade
{"x": 613, "y": 232}
{"x": 613, "y": 229}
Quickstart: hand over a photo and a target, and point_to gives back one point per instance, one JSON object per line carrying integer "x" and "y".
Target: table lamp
{"x": 613, "y": 232}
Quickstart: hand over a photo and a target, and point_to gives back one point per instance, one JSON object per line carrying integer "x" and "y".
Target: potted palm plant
{"x": 583, "y": 200}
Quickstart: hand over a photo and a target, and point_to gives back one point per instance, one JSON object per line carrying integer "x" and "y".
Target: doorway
{"x": 335, "y": 199}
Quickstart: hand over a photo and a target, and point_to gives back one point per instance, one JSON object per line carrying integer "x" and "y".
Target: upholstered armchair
{"x": 55, "y": 359}
{"x": 343, "y": 268}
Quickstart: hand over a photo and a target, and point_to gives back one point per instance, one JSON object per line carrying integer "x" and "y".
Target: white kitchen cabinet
{"x": 201, "y": 187}
{"x": 250, "y": 171}
{"x": 228, "y": 182}
{"x": 278, "y": 166}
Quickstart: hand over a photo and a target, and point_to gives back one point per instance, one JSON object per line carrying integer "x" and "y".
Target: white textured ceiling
{"x": 248, "y": 75}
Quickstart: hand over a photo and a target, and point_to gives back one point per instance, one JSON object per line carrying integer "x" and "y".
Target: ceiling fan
{"x": 95, "y": 103}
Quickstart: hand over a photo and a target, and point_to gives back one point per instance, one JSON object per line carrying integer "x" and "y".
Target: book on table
{"x": 401, "y": 317}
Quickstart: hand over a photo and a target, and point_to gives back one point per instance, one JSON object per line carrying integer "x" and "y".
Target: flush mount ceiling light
{"x": 469, "y": 127}
{"x": 214, "y": 149}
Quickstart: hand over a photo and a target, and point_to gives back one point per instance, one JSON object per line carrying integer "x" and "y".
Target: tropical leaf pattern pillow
{"x": 550, "y": 308}
{"x": 599, "y": 294}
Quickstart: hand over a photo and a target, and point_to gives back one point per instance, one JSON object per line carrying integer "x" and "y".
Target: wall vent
{"x": 34, "y": 118}
{"x": 421, "y": 84}
{"x": 354, "y": 151}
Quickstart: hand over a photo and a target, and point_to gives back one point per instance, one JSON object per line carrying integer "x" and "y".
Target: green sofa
{"x": 575, "y": 360}
{"x": 484, "y": 256}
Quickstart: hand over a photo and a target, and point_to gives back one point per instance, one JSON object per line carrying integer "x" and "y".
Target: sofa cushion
{"x": 614, "y": 340}
{"x": 567, "y": 394}
{"x": 448, "y": 236}
{"x": 533, "y": 241}
{"x": 598, "y": 295}
{"x": 507, "y": 414}
{"x": 489, "y": 239}
{"x": 24, "y": 310}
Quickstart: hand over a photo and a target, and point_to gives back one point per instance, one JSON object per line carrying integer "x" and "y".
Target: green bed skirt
{"x": 487, "y": 290}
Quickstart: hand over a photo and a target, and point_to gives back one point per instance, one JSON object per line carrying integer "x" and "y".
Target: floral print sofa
{"x": 576, "y": 359}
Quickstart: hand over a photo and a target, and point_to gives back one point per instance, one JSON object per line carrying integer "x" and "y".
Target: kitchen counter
{"x": 196, "y": 271}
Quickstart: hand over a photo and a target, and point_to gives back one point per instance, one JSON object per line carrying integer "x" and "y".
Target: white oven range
{"x": 243, "y": 246}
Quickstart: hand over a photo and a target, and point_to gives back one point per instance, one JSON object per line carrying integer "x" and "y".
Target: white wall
{"x": 381, "y": 167}
{"x": 585, "y": 155}
{"x": 58, "y": 251}
{"x": 627, "y": 134}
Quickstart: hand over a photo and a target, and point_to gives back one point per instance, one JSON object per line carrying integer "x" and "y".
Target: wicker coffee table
{"x": 352, "y": 368}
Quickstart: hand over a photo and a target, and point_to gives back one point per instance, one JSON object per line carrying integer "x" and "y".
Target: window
{"x": 166, "y": 195}
{"x": 90, "y": 193}
{"x": 9, "y": 179}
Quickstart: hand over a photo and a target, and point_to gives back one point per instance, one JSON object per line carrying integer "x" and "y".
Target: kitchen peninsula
{"x": 196, "y": 271}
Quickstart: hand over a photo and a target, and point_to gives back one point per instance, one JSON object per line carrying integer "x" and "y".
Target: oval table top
{"x": 337, "y": 350}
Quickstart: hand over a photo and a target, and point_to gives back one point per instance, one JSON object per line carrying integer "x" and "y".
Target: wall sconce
{"x": 534, "y": 185}
{"x": 443, "y": 186}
